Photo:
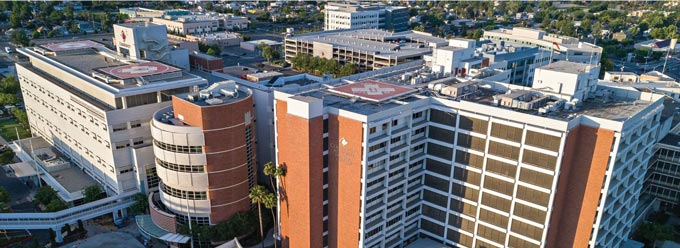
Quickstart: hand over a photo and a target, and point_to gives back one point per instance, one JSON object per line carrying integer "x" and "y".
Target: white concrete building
{"x": 94, "y": 107}
{"x": 449, "y": 60}
{"x": 563, "y": 47}
{"x": 148, "y": 41}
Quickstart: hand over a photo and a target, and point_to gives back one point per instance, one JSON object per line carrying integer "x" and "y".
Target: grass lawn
{"x": 8, "y": 131}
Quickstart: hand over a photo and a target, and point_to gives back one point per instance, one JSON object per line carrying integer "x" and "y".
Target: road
{"x": 672, "y": 67}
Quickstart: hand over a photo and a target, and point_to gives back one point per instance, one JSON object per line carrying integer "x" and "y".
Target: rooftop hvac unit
{"x": 193, "y": 97}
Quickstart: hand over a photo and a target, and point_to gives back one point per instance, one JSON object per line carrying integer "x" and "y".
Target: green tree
{"x": 6, "y": 157}
{"x": 21, "y": 116}
{"x": 19, "y": 37}
{"x": 92, "y": 193}
{"x": 9, "y": 85}
{"x": 55, "y": 205}
{"x": 211, "y": 51}
{"x": 35, "y": 34}
{"x": 257, "y": 196}
{"x": 74, "y": 29}
{"x": 270, "y": 202}
{"x": 8, "y": 99}
{"x": 268, "y": 53}
{"x": 44, "y": 195}
{"x": 347, "y": 69}
{"x": 141, "y": 205}
{"x": 651, "y": 232}
{"x": 420, "y": 28}
{"x": 4, "y": 195}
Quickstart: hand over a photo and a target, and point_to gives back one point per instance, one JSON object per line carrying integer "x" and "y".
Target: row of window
{"x": 180, "y": 167}
{"x": 178, "y": 148}
{"x": 184, "y": 194}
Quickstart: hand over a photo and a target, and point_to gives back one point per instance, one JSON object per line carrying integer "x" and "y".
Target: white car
{"x": 8, "y": 49}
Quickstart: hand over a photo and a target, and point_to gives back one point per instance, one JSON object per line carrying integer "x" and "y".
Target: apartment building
{"x": 94, "y": 107}
{"x": 205, "y": 158}
{"x": 562, "y": 47}
{"x": 370, "y": 49}
{"x": 355, "y": 16}
{"x": 472, "y": 164}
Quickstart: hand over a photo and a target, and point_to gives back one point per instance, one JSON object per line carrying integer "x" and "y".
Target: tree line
{"x": 319, "y": 66}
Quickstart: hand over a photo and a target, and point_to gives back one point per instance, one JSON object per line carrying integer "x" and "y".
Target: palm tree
{"x": 257, "y": 195}
{"x": 270, "y": 170}
{"x": 270, "y": 202}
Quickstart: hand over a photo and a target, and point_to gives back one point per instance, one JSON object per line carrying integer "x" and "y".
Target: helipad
{"x": 72, "y": 45}
{"x": 138, "y": 70}
{"x": 372, "y": 90}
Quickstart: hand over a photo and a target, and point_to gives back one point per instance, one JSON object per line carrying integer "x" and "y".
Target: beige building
{"x": 202, "y": 23}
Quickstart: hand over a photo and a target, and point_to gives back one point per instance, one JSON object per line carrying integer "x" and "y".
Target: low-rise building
{"x": 204, "y": 62}
{"x": 253, "y": 44}
{"x": 223, "y": 40}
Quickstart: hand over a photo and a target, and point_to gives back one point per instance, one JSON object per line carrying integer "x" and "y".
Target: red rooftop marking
{"x": 138, "y": 70}
{"x": 372, "y": 90}
{"x": 72, "y": 45}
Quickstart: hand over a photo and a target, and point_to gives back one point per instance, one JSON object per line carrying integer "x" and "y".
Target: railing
{"x": 16, "y": 221}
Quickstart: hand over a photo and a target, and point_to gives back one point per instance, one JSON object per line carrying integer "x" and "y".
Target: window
{"x": 493, "y": 218}
{"x": 376, "y": 147}
{"x": 536, "y": 178}
{"x": 419, "y": 131}
{"x": 417, "y": 115}
{"x": 473, "y": 124}
{"x": 541, "y": 140}
{"x": 501, "y": 168}
{"x": 141, "y": 99}
{"x": 533, "y": 196}
{"x": 122, "y": 144}
{"x": 434, "y": 198}
{"x": 469, "y": 159}
{"x": 441, "y": 134}
{"x": 434, "y": 213}
{"x": 180, "y": 167}
{"x": 431, "y": 227}
{"x": 134, "y": 124}
{"x": 503, "y": 150}
{"x": 444, "y": 118}
{"x": 529, "y": 213}
{"x": 496, "y": 202}
{"x": 491, "y": 234}
{"x": 471, "y": 142}
{"x": 137, "y": 141}
{"x": 464, "y": 192}
{"x": 179, "y": 149}
{"x": 371, "y": 130}
{"x": 467, "y": 176}
{"x": 498, "y": 185}
{"x": 526, "y": 230}
{"x": 506, "y": 132}
{"x": 119, "y": 127}
{"x": 517, "y": 242}
{"x": 463, "y": 208}
{"x": 439, "y": 151}
{"x": 395, "y": 122}
{"x": 436, "y": 183}
{"x": 438, "y": 167}
{"x": 184, "y": 194}
{"x": 538, "y": 159}
{"x": 457, "y": 237}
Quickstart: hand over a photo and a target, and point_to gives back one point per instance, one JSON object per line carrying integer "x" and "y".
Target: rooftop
{"x": 104, "y": 67}
{"x": 71, "y": 45}
{"x": 374, "y": 41}
{"x": 372, "y": 90}
{"x": 567, "y": 67}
